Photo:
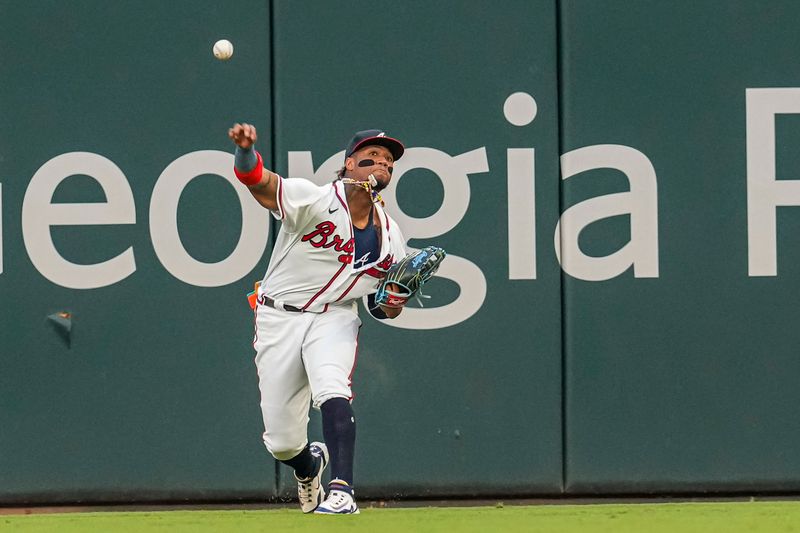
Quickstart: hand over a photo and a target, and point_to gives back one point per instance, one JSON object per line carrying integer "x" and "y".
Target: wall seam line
{"x": 273, "y": 152}
{"x": 560, "y": 150}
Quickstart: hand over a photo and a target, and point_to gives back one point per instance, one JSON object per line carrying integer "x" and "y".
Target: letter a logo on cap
{"x": 381, "y": 134}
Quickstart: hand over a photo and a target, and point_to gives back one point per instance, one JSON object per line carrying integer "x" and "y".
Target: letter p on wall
{"x": 764, "y": 191}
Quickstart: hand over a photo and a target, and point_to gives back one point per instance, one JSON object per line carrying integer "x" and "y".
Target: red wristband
{"x": 253, "y": 176}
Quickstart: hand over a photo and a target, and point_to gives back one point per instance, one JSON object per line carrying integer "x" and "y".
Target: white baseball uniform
{"x": 307, "y": 316}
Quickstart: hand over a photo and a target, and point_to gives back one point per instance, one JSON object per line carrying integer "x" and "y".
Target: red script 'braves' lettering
{"x": 323, "y": 237}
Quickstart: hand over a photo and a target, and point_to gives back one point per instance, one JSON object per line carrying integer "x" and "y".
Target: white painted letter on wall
{"x": 640, "y": 202}
{"x": 764, "y": 191}
{"x": 38, "y": 214}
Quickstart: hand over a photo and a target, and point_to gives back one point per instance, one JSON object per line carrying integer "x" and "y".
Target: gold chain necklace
{"x": 367, "y": 186}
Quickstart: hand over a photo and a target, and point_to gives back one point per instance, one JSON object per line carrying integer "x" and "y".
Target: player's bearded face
{"x": 375, "y": 160}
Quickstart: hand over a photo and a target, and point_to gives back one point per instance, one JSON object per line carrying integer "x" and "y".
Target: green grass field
{"x": 729, "y": 517}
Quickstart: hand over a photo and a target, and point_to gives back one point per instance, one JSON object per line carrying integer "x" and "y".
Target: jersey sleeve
{"x": 398, "y": 247}
{"x": 298, "y": 201}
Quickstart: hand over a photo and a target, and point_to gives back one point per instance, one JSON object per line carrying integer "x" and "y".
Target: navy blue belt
{"x": 269, "y": 302}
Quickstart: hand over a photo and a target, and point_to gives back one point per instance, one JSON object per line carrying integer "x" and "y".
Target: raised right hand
{"x": 243, "y": 135}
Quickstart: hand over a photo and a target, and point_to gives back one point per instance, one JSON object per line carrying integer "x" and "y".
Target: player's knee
{"x": 282, "y": 449}
{"x": 285, "y": 455}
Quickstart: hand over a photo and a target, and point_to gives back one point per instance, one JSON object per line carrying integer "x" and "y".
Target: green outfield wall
{"x": 680, "y": 371}
{"x": 615, "y": 315}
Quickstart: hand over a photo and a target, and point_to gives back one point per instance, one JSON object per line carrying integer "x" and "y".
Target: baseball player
{"x": 335, "y": 244}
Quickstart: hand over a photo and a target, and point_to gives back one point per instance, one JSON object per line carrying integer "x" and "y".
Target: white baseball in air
{"x": 223, "y": 49}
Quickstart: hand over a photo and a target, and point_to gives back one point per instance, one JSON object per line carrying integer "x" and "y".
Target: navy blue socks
{"x": 339, "y": 430}
{"x": 304, "y": 464}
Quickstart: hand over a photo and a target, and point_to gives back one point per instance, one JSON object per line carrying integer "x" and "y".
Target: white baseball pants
{"x": 301, "y": 357}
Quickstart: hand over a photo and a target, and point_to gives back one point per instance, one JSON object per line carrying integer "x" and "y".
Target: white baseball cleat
{"x": 338, "y": 502}
{"x": 310, "y": 491}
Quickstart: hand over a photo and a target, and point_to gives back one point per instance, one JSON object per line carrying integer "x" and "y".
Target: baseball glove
{"x": 408, "y": 275}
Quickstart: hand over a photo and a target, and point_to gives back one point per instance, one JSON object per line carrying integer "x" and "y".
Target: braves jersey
{"x": 313, "y": 264}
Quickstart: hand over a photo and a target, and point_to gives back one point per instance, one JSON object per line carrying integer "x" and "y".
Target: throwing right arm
{"x": 263, "y": 183}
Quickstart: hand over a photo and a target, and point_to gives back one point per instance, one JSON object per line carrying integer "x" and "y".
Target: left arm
{"x": 382, "y": 312}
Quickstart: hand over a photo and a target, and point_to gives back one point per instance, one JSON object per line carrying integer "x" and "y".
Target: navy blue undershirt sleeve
{"x": 244, "y": 159}
{"x": 375, "y": 309}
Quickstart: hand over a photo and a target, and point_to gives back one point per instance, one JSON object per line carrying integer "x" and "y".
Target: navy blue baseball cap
{"x": 379, "y": 137}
